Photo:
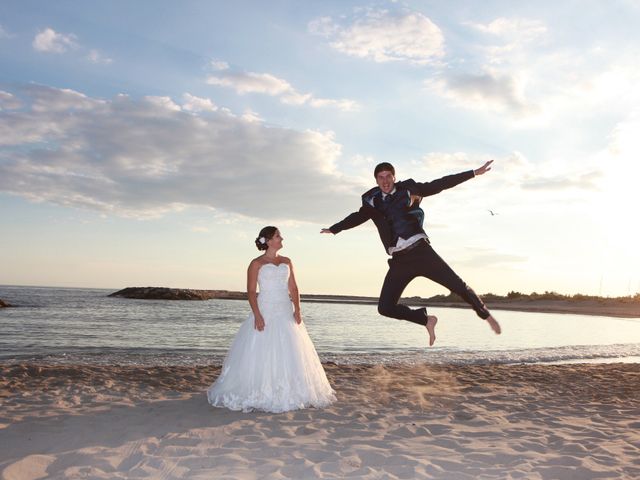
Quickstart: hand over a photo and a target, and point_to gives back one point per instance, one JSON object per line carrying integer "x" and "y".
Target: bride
{"x": 272, "y": 364}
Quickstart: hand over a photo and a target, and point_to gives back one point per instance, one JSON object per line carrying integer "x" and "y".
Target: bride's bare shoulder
{"x": 256, "y": 262}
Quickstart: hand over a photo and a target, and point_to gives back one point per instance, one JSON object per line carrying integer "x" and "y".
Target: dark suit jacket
{"x": 370, "y": 209}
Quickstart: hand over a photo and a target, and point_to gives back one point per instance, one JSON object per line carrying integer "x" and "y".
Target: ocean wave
{"x": 436, "y": 356}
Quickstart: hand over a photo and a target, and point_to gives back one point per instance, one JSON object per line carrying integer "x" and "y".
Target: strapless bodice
{"x": 273, "y": 282}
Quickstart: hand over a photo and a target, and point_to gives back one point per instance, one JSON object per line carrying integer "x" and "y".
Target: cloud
{"x": 49, "y": 41}
{"x": 4, "y": 33}
{"x": 616, "y": 207}
{"x": 583, "y": 181}
{"x": 96, "y": 57}
{"x": 251, "y": 83}
{"x": 265, "y": 83}
{"x": 519, "y": 67}
{"x": 218, "y": 65}
{"x": 59, "y": 100}
{"x": 251, "y": 116}
{"x": 8, "y": 101}
{"x": 496, "y": 68}
{"x": 143, "y": 158}
{"x": 484, "y": 90}
{"x": 521, "y": 28}
{"x": 197, "y": 104}
{"x": 509, "y": 40}
{"x": 515, "y": 170}
{"x": 384, "y": 36}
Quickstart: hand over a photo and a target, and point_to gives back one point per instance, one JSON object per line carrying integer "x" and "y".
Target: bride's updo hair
{"x": 265, "y": 234}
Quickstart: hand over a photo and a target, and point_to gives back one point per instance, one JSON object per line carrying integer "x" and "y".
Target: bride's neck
{"x": 272, "y": 255}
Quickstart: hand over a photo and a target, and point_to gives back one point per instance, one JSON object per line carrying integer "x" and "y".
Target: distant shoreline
{"x": 577, "y": 307}
{"x": 589, "y": 306}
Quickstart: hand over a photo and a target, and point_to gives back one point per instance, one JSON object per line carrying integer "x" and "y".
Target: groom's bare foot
{"x": 431, "y": 328}
{"x": 495, "y": 326}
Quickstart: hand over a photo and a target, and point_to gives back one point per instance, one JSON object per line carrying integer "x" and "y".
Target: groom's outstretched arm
{"x": 351, "y": 221}
{"x": 436, "y": 186}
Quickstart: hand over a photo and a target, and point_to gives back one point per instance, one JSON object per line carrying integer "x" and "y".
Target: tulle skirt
{"x": 274, "y": 370}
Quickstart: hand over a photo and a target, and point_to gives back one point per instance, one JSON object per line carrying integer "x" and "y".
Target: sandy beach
{"x": 576, "y": 421}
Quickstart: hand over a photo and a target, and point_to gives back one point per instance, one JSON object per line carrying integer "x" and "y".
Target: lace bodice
{"x": 273, "y": 281}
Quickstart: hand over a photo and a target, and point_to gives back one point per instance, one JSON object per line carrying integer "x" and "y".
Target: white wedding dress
{"x": 277, "y": 369}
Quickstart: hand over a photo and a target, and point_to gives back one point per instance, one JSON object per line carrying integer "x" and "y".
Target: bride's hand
{"x": 298, "y": 317}
{"x": 258, "y": 323}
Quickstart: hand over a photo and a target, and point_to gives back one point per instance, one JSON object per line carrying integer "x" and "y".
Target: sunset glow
{"x": 138, "y": 155}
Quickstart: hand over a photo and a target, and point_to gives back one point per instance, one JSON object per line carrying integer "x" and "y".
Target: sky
{"x": 147, "y": 143}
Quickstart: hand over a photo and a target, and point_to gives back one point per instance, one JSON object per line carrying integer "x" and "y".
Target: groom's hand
{"x": 484, "y": 168}
{"x": 325, "y": 230}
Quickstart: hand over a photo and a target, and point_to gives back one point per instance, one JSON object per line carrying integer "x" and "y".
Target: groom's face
{"x": 385, "y": 180}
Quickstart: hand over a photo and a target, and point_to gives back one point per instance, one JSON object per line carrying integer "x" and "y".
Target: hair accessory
{"x": 262, "y": 240}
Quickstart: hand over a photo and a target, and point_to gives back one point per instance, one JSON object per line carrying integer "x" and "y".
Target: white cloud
{"x": 522, "y": 28}
{"x": 96, "y": 57}
{"x": 619, "y": 160}
{"x": 219, "y": 65}
{"x": 265, "y": 83}
{"x": 252, "y": 83}
{"x": 165, "y": 104}
{"x": 497, "y": 72}
{"x": 251, "y": 116}
{"x": 384, "y": 36}
{"x": 519, "y": 67}
{"x": 584, "y": 181}
{"x": 324, "y": 26}
{"x": 48, "y": 40}
{"x": 515, "y": 170}
{"x": 484, "y": 90}
{"x": 509, "y": 40}
{"x": 142, "y": 158}
{"x": 344, "y": 105}
{"x": 614, "y": 210}
{"x": 8, "y": 101}
{"x": 59, "y": 100}
{"x": 4, "y": 33}
{"x": 197, "y": 104}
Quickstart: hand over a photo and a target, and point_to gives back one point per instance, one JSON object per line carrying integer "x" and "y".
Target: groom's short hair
{"x": 384, "y": 167}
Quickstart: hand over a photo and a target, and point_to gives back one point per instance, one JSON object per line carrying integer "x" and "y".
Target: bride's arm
{"x": 295, "y": 295}
{"x": 252, "y": 287}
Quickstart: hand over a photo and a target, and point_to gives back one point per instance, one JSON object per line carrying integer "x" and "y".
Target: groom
{"x": 395, "y": 209}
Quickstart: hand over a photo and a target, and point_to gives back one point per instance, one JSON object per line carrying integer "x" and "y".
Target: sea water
{"x": 74, "y": 325}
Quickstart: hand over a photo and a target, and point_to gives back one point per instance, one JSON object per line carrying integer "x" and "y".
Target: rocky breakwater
{"x": 163, "y": 293}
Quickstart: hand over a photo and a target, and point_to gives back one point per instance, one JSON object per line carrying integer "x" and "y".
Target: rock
{"x": 4, "y": 304}
{"x": 163, "y": 293}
